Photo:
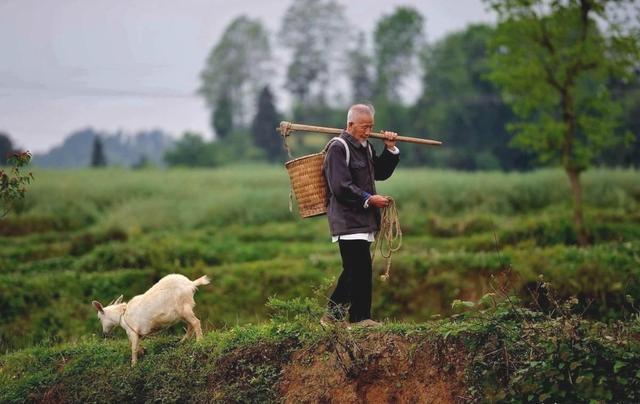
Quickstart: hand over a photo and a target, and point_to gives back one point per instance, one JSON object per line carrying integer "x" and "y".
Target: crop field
{"x": 96, "y": 234}
{"x": 489, "y": 297}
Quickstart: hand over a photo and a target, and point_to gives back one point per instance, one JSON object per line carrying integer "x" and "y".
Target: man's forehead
{"x": 363, "y": 118}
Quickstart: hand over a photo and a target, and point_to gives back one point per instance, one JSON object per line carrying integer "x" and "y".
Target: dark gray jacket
{"x": 349, "y": 187}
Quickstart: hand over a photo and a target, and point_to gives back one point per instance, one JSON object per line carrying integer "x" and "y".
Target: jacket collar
{"x": 351, "y": 139}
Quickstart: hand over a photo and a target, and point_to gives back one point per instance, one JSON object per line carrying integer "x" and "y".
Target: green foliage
{"x": 264, "y": 127}
{"x": 295, "y": 310}
{"x": 531, "y": 357}
{"x": 193, "y": 151}
{"x": 553, "y": 69}
{"x": 505, "y": 352}
{"x": 222, "y": 120}
{"x": 13, "y": 183}
{"x": 236, "y": 69}
{"x": 398, "y": 38}
{"x": 314, "y": 32}
{"x": 462, "y": 106}
{"x": 190, "y": 151}
{"x": 69, "y": 244}
{"x": 224, "y": 367}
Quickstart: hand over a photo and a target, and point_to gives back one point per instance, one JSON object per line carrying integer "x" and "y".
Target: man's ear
{"x": 97, "y": 306}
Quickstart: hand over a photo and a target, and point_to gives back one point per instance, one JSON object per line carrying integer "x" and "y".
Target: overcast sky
{"x": 134, "y": 65}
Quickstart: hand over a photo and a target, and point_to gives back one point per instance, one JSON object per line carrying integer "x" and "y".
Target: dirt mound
{"x": 377, "y": 368}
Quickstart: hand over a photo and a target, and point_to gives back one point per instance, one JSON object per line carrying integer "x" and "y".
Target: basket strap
{"x": 346, "y": 147}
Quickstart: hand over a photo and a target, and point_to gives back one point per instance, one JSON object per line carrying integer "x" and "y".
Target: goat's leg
{"x": 135, "y": 345}
{"x": 188, "y": 334}
{"x": 193, "y": 321}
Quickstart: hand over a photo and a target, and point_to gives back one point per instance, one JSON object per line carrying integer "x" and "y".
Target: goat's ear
{"x": 118, "y": 300}
{"x": 97, "y": 306}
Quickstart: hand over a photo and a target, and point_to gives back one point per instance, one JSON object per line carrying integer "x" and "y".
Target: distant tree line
{"x": 485, "y": 90}
{"x": 89, "y": 147}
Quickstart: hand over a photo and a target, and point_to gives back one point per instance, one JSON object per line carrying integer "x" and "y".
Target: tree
{"x": 315, "y": 31}
{"x": 235, "y": 71}
{"x": 553, "y": 64}
{"x": 358, "y": 69}
{"x": 398, "y": 38}
{"x": 191, "y": 151}
{"x": 626, "y": 154}
{"x": 6, "y": 147}
{"x": 264, "y": 126}
{"x": 223, "y": 116}
{"x": 98, "y": 158}
{"x": 463, "y": 107}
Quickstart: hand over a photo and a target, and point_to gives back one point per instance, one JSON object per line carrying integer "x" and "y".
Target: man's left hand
{"x": 390, "y": 141}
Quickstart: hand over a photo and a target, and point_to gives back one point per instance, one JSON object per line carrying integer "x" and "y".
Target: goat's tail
{"x": 203, "y": 280}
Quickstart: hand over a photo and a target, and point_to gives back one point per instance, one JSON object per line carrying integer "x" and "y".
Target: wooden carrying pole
{"x": 287, "y": 127}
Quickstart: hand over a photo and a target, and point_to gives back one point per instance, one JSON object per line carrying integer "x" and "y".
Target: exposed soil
{"x": 385, "y": 368}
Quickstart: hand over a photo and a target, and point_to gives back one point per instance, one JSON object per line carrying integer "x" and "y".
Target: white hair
{"x": 360, "y": 109}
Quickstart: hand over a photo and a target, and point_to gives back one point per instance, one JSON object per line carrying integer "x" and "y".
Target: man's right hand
{"x": 378, "y": 201}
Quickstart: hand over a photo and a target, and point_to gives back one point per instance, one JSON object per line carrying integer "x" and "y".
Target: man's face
{"x": 361, "y": 127}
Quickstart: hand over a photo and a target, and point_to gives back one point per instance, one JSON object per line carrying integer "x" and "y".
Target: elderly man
{"x": 351, "y": 166}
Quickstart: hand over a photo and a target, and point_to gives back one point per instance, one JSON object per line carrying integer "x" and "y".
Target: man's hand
{"x": 378, "y": 201}
{"x": 390, "y": 141}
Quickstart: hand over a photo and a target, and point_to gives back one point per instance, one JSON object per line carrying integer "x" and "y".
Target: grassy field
{"x": 501, "y": 353}
{"x": 96, "y": 234}
{"x": 468, "y": 238}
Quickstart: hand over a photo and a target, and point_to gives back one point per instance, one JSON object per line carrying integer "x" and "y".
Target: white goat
{"x": 167, "y": 302}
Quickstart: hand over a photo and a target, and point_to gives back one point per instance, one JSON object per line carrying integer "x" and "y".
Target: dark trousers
{"x": 354, "y": 285}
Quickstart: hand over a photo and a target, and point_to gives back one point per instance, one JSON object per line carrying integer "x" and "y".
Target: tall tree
{"x": 462, "y": 107}
{"x": 98, "y": 158}
{"x": 553, "y": 65}
{"x": 6, "y": 147}
{"x": 398, "y": 39}
{"x": 359, "y": 70}
{"x": 236, "y": 69}
{"x": 222, "y": 118}
{"x": 314, "y": 31}
{"x": 264, "y": 126}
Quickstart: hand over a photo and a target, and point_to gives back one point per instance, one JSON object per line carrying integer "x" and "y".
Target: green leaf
{"x": 618, "y": 365}
{"x": 457, "y": 304}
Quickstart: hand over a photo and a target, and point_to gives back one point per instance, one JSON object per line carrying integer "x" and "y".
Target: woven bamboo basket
{"x": 308, "y": 184}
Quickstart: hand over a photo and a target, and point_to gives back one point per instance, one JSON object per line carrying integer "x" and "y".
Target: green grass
{"x": 507, "y": 353}
{"x": 96, "y": 234}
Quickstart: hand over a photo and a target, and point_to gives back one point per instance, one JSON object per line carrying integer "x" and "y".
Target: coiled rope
{"x": 389, "y": 237}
